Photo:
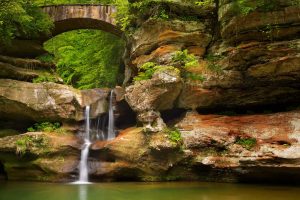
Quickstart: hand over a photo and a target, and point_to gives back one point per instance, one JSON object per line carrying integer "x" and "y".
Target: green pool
{"x": 146, "y": 191}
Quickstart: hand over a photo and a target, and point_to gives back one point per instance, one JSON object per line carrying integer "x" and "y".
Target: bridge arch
{"x": 87, "y": 16}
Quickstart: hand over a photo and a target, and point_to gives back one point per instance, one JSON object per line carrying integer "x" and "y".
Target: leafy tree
{"x": 87, "y": 58}
{"x": 22, "y": 18}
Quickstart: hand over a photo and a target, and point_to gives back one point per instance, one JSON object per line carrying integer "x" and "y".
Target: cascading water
{"x": 83, "y": 168}
{"x": 111, "y": 121}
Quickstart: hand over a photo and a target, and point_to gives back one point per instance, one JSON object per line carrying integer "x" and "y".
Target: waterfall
{"x": 111, "y": 121}
{"x": 83, "y": 168}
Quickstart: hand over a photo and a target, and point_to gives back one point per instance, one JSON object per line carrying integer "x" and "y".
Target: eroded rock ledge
{"x": 212, "y": 148}
{"x": 48, "y": 101}
{"x": 246, "y": 60}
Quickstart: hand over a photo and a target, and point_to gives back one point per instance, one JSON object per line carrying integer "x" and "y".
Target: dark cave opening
{"x": 172, "y": 116}
{"x": 250, "y": 110}
{"x": 3, "y": 174}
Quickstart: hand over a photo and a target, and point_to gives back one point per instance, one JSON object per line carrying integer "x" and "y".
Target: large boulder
{"x": 40, "y": 156}
{"x": 48, "y": 101}
{"x": 156, "y": 94}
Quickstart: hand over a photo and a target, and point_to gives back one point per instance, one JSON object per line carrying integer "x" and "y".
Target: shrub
{"x": 46, "y": 58}
{"x": 22, "y": 18}
{"x": 185, "y": 59}
{"x": 44, "y": 78}
{"x": 174, "y": 135}
{"x": 247, "y": 143}
{"x": 45, "y": 127}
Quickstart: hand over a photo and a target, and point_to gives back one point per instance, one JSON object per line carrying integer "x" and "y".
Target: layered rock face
{"x": 246, "y": 59}
{"x": 212, "y": 148}
{"x": 249, "y": 58}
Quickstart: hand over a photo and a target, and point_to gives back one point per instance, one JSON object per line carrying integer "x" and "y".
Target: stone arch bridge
{"x": 66, "y": 18}
{"x": 88, "y": 16}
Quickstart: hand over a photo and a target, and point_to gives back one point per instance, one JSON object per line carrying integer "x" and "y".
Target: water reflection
{"x": 146, "y": 191}
{"x": 82, "y": 192}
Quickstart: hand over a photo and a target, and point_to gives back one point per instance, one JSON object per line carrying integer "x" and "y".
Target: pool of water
{"x": 146, "y": 191}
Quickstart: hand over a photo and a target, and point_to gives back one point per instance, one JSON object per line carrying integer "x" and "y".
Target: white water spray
{"x": 83, "y": 168}
{"x": 111, "y": 121}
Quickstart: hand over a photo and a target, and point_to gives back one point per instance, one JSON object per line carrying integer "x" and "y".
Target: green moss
{"x": 46, "y": 58}
{"x": 247, "y": 143}
{"x": 147, "y": 70}
{"x": 244, "y": 7}
{"x": 45, "y": 78}
{"x": 28, "y": 143}
{"x": 174, "y": 135}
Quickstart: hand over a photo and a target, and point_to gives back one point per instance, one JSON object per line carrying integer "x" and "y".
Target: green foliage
{"x": 204, "y": 3}
{"x": 46, "y": 58}
{"x": 127, "y": 12}
{"x": 30, "y": 142}
{"x": 174, "y": 134}
{"x": 182, "y": 58}
{"x": 87, "y": 58}
{"x": 45, "y": 78}
{"x": 44, "y": 127}
{"x": 161, "y": 13}
{"x": 147, "y": 70}
{"x": 185, "y": 59}
{"x": 247, "y": 143}
{"x": 22, "y": 18}
{"x": 123, "y": 16}
{"x": 244, "y": 7}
